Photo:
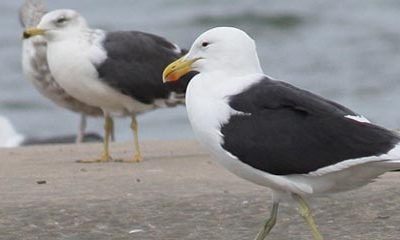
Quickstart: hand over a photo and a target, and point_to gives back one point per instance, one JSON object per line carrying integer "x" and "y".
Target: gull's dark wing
{"x": 285, "y": 130}
{"x": 135, "y": 62}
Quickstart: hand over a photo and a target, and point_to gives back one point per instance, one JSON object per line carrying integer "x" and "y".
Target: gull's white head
{"x": 58, "y": 23}
{"x": 219, "y": 49}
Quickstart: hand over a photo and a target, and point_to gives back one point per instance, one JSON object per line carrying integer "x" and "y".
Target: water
{"x": 348, "y": 51}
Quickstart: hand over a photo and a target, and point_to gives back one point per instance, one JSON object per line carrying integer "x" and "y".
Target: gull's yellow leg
{"x": 269, "y": 223}
{"x": 108, "y": 128}
{"x": 305, "y": 212}
{"x": 105, "y": 156}
{"x": 112, "y": 131}
{"x": 137, "y": 157}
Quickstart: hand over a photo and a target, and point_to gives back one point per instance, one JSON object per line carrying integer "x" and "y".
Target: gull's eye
{"x": 61, "y": 20}
{"x": 205, "y": 44}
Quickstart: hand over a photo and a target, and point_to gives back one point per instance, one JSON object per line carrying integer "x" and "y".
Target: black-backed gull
{"x": 274, "y": 134}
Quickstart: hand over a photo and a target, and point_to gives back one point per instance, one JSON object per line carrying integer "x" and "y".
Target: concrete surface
{"x": 176, "y": 193}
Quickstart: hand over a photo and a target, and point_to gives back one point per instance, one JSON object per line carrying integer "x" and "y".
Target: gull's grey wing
{"x": 31, "y": 12}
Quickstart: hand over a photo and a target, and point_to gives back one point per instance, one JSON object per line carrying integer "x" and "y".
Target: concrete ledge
{"x": 176, "y": 193}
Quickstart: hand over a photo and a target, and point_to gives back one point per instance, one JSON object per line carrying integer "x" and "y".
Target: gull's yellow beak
{"x": 177, "y": 69}
{"x": 30, "y": 32}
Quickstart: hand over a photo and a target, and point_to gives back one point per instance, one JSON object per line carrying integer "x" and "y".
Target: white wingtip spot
{"x": 358, "y": 118}
{"x": 136, "y": 231}
{"x": 177, "y": 49}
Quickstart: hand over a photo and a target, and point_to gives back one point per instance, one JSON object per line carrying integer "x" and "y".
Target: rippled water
{"x": 348, "y": 51}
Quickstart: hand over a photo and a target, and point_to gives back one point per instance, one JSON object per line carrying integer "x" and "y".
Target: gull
{"x": 36, "y": 69}
{"x": 119, "y": 72}
{"x": 274, "y": 134}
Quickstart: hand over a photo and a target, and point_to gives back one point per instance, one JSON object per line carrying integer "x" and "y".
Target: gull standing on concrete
{"x": 274, "y": 134}
{"x": 36, "y": 68}
{"x": 119, "y": 72}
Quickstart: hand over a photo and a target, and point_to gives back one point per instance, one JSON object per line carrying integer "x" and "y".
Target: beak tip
{"x": 165, "y": 80}
{"x": 166, "y": 76}
{"x": 25, "y": 35}
{"x": 175, "y": 70}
